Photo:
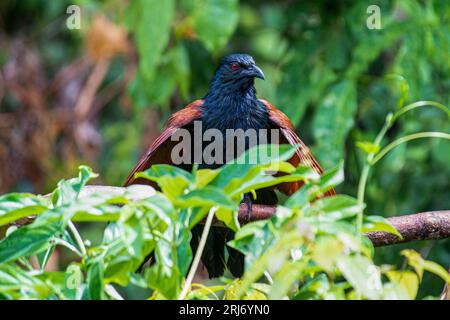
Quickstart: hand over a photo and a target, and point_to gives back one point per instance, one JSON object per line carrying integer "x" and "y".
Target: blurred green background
{"x": 100, "y": 94}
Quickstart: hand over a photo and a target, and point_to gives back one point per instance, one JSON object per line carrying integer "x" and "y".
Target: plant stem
{"x": 418, "y": 104}
{"x": 112, "y": 292}
{"x": 198, "y": 254}
{"x": 365, "y": 173}
{"x": 361, "y": 191}
{"x": 77, "y": 237}
{"x": 407, "y": 138}
{"x": 68, "y": 246}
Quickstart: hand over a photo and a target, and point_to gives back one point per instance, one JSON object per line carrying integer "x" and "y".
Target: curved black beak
{"x": 257, "y": 72}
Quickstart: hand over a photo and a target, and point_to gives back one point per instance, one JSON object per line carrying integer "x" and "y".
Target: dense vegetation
{"x": 307, "y": 250}
{"x": 336, "y": 79}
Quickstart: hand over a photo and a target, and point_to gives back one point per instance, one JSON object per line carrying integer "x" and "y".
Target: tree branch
{"x": 419, "y": 226}
{"x": 431, "y": 225}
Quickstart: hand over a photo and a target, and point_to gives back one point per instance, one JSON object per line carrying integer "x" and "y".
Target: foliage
{"x": 314, "y": 249}
{"x": 333, "y": 77}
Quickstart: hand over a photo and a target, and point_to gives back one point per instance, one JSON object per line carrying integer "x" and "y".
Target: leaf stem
{"x": 68, "y": 246}
{"x": 77, "y": 237}
{"x": 418, "y": 104}
{"x": 198, "y": 254}
{"x": 112, "y": 292}
{"x": 360, "y": 198}
{"x": 414, "y": 136}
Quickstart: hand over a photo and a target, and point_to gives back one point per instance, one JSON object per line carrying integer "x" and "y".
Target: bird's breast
{"x": 223, "y": 116}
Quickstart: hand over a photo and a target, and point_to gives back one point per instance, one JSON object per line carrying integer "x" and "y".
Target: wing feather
{"x": 160, "y": 150}
{"x": 302, "y": 153}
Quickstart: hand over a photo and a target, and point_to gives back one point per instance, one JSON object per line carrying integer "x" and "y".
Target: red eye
{"x": 234, "y": 66}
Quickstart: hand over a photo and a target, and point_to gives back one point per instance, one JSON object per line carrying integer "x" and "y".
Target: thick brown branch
{"x": 418, "y": 226}
{"x": 432, "y": 225}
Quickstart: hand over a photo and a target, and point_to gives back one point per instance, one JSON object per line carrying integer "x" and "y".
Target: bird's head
{"x": 237, "y": 71}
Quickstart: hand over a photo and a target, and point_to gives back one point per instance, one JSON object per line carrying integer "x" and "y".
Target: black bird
{"x": 230, "y": 103}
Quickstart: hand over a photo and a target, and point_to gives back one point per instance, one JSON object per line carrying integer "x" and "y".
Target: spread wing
{"x": 160, "y": 150}
{"x": 302, "y": 155}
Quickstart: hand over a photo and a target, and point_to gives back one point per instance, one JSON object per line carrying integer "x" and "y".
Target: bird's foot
{"x": 249, "y": 202}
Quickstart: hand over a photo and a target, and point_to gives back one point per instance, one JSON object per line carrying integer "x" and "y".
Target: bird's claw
{"x": 249, "y": 202}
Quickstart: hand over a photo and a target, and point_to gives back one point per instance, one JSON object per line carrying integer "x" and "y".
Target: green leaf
{"x": 333, "y": 120}
{"x": 362, "y": 274}
{"x": 335, "y": 208}
{"x": 285, "y": 279}
{"x": 228, "y": 217}
{"x": 14, "y": 206}
{"x": 16, "y": 283}
{"x": 264, "y": 180}
{"x": 251, "y": 163}
{"x": 172, "y": 180}
{"x": 152, "y": 29}
{"x": 272, "y": 258}
{"x": 68, "y": 190}
{"x": 310, "y": 191}
{"x": 407, "y": 281}
{"x": 326, "y": 252}
{"x": 95, "y": 279}
{"x": 44, "y": 256}
{"x": 73, "y": 280}
{"x": 368, "y": 147}
{"x": 416, "y": 261}
{"x": 215, "y": 21}
{"x": 378, "y": 223}
{"x": 206, "y": 197}
{"x": 28, "y": 240}
{"x": 165, "y": 275}
{"x": 314, "y": 288}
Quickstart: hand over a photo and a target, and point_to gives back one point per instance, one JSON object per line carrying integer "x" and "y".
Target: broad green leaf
{"x": 314, "y": 288}
{"x": 95, "y": 278}
{"x": 16, "y": 283}
{"x": 272, "y": 259}
{"x": 172, "y": 180}
{"x": 326, "y": 252}
{"x": 68, "y": 190}
{"x": 203, "y": 292}
{"x": 152, "y": 30}
{"x": 73, "y": 281}
{"x": 14, "y": 206}
{"x": 27, "y": 241}
{"x": 416, "y": 261}
{"x": 285, "y": 279}
{"x": 407, "y": 281}
{"x": 362, "y": 274}
{"x": 204, "y": 176}
{"x": 333, "y": 120}
{"x": 334, "y": 208}
{"x": 228, "y": 217}
{"x": 206, "y": 197}
{"x": 378, "y": 223}
{"x": 263, "y": 180}
{"x": 310, "y": 191}
{"x": 250, "y": 164}
{"x": 215, "y": 21}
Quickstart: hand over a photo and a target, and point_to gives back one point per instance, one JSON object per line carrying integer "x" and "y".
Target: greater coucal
{"x": 230, "y": 103}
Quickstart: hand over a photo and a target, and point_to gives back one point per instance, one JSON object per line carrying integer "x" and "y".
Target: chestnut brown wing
{"x": 160, "y": 150}
{"x": 302, "y": 154}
